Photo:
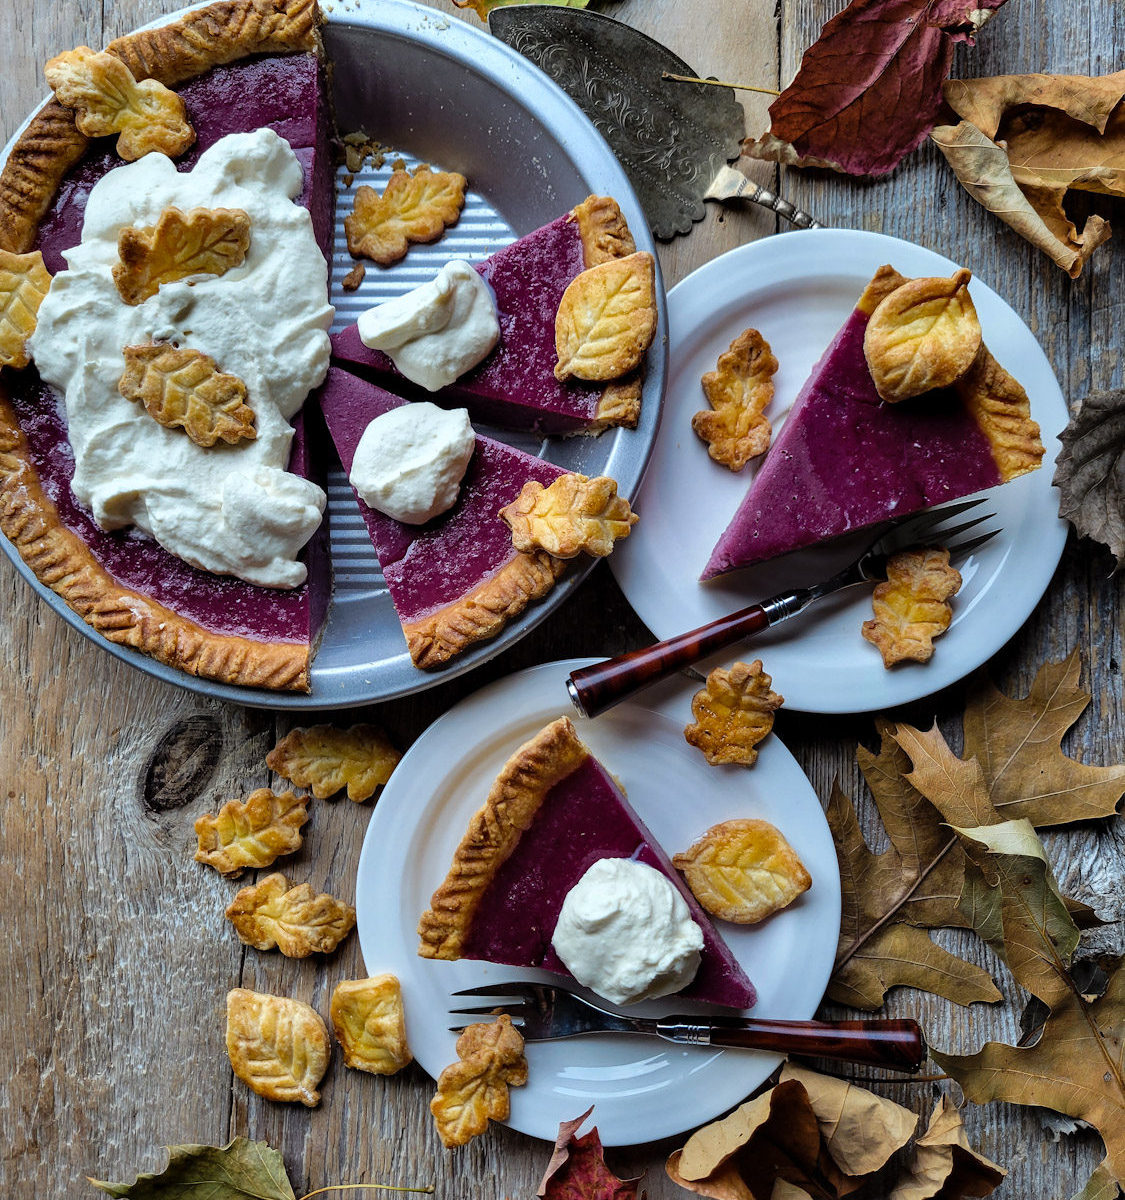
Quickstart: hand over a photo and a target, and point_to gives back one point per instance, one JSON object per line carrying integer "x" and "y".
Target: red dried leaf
{"x": 577, "y": 1169}
{"x": 869, "y": 88}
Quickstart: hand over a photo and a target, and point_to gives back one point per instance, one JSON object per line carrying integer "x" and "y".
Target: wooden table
{"x": 116, "y": 957}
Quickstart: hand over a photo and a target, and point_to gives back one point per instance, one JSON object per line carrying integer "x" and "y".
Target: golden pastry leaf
{"x": 414, "y": 207}
{"x": 277, "y": 1046}
{"x": 606, "y": 319}
{"x": 474, "y": 1089}
{"x": 923, "y": 335}
{"x": 944, "y": 1164}
{"x": 24, "y": 282}
{"x": 202, "y": 241}
{"x": 912, "y": 605}
{"x": 743, "y": 870}
{"x": 738, "y": 390}
{"x": 370, "y": 1024}
{"x": 326, "y": 759}
{"x": 182, "y": 388}
{"x": 733, "y": 713}
{"x": 572, "y": 515}
{"x": 252, "y": 832}
{"x": 294, "y": 919}
{"x": 107, "y": 99}
{"x": 998, "y": 403}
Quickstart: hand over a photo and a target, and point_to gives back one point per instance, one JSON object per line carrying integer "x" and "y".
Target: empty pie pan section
{"x": 442, "y": 92}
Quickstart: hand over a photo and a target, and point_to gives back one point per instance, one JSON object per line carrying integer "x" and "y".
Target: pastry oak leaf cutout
{"x": 107, "y": 99}
{"x": 326, "y": 759}
{"x": 201, "y": 241}
{"x": 277, "y": 1046}
{"x": 182, "y": 388}
{"x": 24, "y": 282}
{"x": 735, "y": 427}
{"x": 295, "y": 920}
{"x": 733, "y": 713}
{"x": 414, "y": 207}
{"x": 474, "y": 1089}
{"x": 370, "y": 1024}
{"x": 573, "y": 514}
{"x": 912, "y": 605}
{"x": 251, "y": 833}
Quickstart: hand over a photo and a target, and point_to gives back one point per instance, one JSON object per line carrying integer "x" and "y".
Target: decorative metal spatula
{"x": 673, "y": 139}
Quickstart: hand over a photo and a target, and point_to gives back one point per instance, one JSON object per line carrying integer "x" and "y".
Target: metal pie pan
{"x": 439, "y": 91}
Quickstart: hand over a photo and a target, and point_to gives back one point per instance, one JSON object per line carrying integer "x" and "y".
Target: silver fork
{"x": 594, "y": 689}
{"x": 545, "y": 1012}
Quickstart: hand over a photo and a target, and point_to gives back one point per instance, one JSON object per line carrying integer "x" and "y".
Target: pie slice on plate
{"x": 553, "y": 811}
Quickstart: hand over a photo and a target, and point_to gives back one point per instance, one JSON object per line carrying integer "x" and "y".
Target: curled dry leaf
{"x": 735, "y": 428}
{"x": 326, "y": 759}
{"x": 252, "y": 832}
{"x": 240, "y": 1170}
{"x": 294, "y": 919}
{"x": 574, "y": 514}
{"x": 577, "y": 1170}
{"x": 107, "y": 99}
{"x": 370, "y": 1024}
{"x": 24, "y": 283}
{"x": 1090, "y": 474}
{"x": 733, "y": 713}
{"x": 944, "y": 1164}
{"x": 912, "y": 605}
{"x": 278, "y": 1047}
{"x": 414, "y": 207}
{"x": 474, "y": 1090}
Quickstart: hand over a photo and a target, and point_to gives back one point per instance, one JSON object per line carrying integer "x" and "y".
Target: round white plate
{"x": 642, "y": 1089}
{"x": 797, "y": 289}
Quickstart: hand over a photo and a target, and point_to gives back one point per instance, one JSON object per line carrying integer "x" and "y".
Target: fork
{"x": 595, "y": 688}
{"x": 546, "y": 1012}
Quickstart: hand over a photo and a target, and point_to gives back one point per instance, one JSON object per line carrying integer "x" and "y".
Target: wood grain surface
{"x": 116, "y": 958}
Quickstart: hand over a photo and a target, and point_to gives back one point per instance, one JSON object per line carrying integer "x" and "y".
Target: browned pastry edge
{"x": 437, "y": 637}
{"x": 494, "y": 831}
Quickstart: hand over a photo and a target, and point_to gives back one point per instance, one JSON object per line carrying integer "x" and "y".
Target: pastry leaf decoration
{"x": 1090, "y": 474}
{"x": 182, "y": 388}
{"x": 326, "y": 759}
{"x": 733, "y": 713}
{"x": 24, "y": 283}
{"x": 912, "y": 605}
{"x": 414, "y": 207}
{"x": 370, "y": 1024}
{"x": 278, "y": 1047}
{"x": 295, "y": 920}
{"x": 107, "y": 99}
{"x": 474, "y": 1090}
{"x": 202, "y": 241}
{"x": 240, "y": 1170}
{"x": 483, "y": 7}
{"x": 735, "y": 427}
{"x": 252, "y": 832}
{"x": 574, "y": 514}
{"x": 577, "y": 1169}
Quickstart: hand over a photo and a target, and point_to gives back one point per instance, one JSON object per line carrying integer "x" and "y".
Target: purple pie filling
{"x": 582, "y": 819}
{"x": 429, "y": 566}
{"x": 844, "y": 459}
{"x": 515, "y": 387}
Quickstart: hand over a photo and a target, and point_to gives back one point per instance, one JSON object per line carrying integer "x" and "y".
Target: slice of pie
{"x": 515, "y": 386}
{"x": 845, "y": 460}
{"x": 553, "y": 811}
{"x": 457, "y": 578}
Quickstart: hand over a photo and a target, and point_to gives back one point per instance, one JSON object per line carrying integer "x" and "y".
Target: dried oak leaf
{"x": 869, "y": 88}
{"x": 202, "y": 241}
{"x": 735, "y": 427}
{"x": 733, "y": 713}
{"x": 944, "y": 1164}
{"x": 1024, "y": 140}
{"x": 240, "y": 1170}
{"x": 474, "y": 1090}
{"x": 606, "y": 319}
{"x": 184, "y": 388}
{"x": 294, "y": 919}
{"x": 370, "y": 1024}
{"x": 574, "y": 514}
{"x": 912, "y": 605}
{"x": 252, "y": 832}
{"x": 414, "y": 207}
{"x": 577, "y": 1170}
{"x": 24, "y": 283}
{"x": 743, "y": 870}
{"x": 278, "y": 1047}
{"x": 107, "y": 99}
{"x": 326, "y": 759}
{"x": 1090, "y": 473}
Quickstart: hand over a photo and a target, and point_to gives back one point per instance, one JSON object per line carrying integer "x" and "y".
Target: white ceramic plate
{"x": 798, "y": 288}
{"x": 641, "y": 1089}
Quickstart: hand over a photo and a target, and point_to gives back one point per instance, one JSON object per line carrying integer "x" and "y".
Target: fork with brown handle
{"x": 594, "y": 689}
{"x": 545, "y": 1012}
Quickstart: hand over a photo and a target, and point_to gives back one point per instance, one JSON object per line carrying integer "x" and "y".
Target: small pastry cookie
{"x": 325, "y": 759}
{"x": 277, "y": 1046}
{"x": 572, "y": 515}
{"x": 912, "y": 606}
{"x": 252, "y": 832}
{"x": 474, "y": 1090}
{"x": 370, "y": 1024}
{"x": 733, "y": 713}
{"x": 415, "y": 206}
{"x": 24, "y": 283}
{"x": 294, "y": 919}
{"x": 738, "y": 390}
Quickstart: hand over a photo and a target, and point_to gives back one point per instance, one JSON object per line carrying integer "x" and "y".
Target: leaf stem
{"x": 355, "y": 1187}
{"x": 739, "y": 87}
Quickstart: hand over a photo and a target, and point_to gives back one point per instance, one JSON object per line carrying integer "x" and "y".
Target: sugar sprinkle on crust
{"x": 474, "y": 1090}
{"x": 293, "y": 919}
{"x": 735, "y": 427}
{"x": 733, "y": 713}
{"x": 574, "y": 514}
{"x": 912, "y": 606}
{"x": 251, "y": 833}
{"x": 277, "y": 1046}
{"x": 415, "y": 206}
{"x": 369, "y": 1021}
{"x": 24, "y": 283}
{"x": 326, "y": 759}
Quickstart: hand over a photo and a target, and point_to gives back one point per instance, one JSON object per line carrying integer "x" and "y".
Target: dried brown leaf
{"x": 252, "y": 832}
{"x": 24, "y": 283}
{"x": 326, "y": 759}
{"x": 573, "y": 515}
{"x": 414, "y": 207}
{"x": 1090, "y": 474}
{"x": 735, "y": 427}
{"x": 912, "y": 605}
{"x": 474, "y": 1090}
{"x": 277, "y": 1046}
{"x": 733, "y": 713}
{"x": 295, "y": 920}
{"x": 370, "y": 1024}
{"x": 944, "y": 1164}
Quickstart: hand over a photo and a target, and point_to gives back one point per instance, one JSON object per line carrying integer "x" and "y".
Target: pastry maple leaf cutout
{"x": 184, "y": 389}
{"x": 370, "y": 1024}
{"x": 606, "y": 319}
{"x": 24, "y": 282}
{"x": 912, "y": 606}
{"x": 733, "y": 713}
{"x": 923, "y": 335}
{"x": 202, "y": 241}
{"x": 325, "y": 759}
{"x": 738, "y": 390}
{"x": 743, "y": 870}
{"x": 295, "y": 920}
{"x": 573, "y": 514}
{"x": 277, "y": 1046}
{"x": 474, "y": 1090}
{"x": 252, "y": 832}
{"x": 415, "y": 206}
{"x": 107, "y": 99}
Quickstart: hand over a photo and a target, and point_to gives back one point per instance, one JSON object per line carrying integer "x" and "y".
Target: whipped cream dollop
{"x": 625, "y": 932}
{"x": 438, "y": 331}
{"x": 230, "y": 509}
{"x": 410, "y": 461}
